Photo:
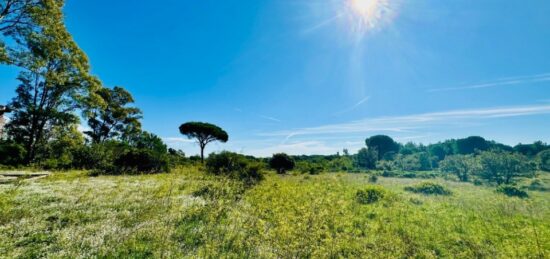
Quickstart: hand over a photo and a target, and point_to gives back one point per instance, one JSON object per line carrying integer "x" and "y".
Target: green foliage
{"x": 544, "y": 160}
{"x": 414, "y": 162}
{"x": 11, "y": 154}
{"x": 307, "y": 167}
{"x": 531, "y": 150}
{"x": 235, "y": 166}
{"x": 53, "y": 79}
{"x": 110, "y": 116}
{"x": 462, "y": 166}
{"x": 370, "y": 194}
{"x": 281, "y": 163}
{"x": 512, "y": 191}
{"x": 373, "y": 178}
{"x": 366, "y": 158}
{"x": 204, "y": 133}
{"x": 136, "y": 161}
{"x": 147, "y": 140}
{"x": 382, "y": 144}
{"x": 59, "y": 152}
{"x": 342, "y": 163}
{"x": 503, "y": 167}
{"x": 470, "y": 145}
{"x": 429, "y": 188}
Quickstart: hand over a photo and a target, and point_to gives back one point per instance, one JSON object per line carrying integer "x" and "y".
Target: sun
{"x": 366, "y": 15}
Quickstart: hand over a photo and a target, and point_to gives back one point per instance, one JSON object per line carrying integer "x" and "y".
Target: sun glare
{"x": 366, "y": 15}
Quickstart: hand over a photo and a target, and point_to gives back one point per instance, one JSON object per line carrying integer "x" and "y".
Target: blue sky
{"x": 317, "y": 76}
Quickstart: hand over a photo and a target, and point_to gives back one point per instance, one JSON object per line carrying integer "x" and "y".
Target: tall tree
{"x": 204, "y": 133}
{"x": 112, "y": 116}
{"x": 53, "y": 81}
{"x": 382, "y": 144}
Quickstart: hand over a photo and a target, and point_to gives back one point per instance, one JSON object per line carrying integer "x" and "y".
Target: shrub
{"x": 373, "y": 178}
{"x": 503, "y": 167}
{"x": 512, "y": 191}
{"x": 281, "y": 163}
{"x": 234, "y": 165}
{"x": 11, "y": 154}
{"x": 429, "y": 188}
{"x": 460, "y": 165}
{"x": 309, "y": 168}
{"x": 537, "y": 185}
{"x": 544, "y": 159}
{"x": 370, "y": 195}
{"x": 135, "y": 161}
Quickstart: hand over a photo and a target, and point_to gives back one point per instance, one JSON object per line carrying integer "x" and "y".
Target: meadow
{"x": 188, "y": 213}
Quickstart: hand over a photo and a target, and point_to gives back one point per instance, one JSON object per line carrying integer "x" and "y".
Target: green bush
{"x": 512, "y": 191}
{"x": 306, "y": 167}
{"x": 373, "y": 178}
{"x": 11, "y": 154}
{"x": 544, "y": 160}
{"x": 429, "y": 188}
{"x": 538, "y": 185}
{"x": 135, "y": 161}
{"x": 281, "y": 163}
{"x": 370, "y": 195}
{"x": 234, "y": 165}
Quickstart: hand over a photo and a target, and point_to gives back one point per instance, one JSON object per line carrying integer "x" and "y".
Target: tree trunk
{"x": 202, "y": 153}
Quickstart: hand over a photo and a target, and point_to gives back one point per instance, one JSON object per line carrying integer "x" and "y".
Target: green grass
{"x": 188, "y": 214}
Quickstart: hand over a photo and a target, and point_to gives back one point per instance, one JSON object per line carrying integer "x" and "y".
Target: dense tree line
{"x": 56, "y": 90}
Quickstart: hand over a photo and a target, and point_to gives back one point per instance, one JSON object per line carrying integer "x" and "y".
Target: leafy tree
{"x": 53, "y": 80}
{"x": 531, "y": 150}
{"x": 544, "y": 160}
{"x": 382, "y": 144}
{"x": 204, "y": 133}
{"x": 503, "y": 167}
{"x": 441, "y": 150}
{"x": 281, "y": 163}
{"x": 460, "y": 165}
{"x": 63, "y": 143}
{"x": 112, "y": 117}
{"x": 366, "y": 158}
{"x": 470, "y": 145}
{"x": 149, "y": 141}
{"x": 18, "y": 17}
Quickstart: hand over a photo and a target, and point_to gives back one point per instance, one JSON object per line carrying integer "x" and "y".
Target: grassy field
{"x": 188, "y": 214}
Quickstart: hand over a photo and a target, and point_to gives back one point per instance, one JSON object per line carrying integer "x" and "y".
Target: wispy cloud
{"x": 296, "y": 148}
{"x": 499, "y": 82}
{"x": 409, "y": 123}
{"x": 270, "y": 118}
{"x": 355, "y": 106}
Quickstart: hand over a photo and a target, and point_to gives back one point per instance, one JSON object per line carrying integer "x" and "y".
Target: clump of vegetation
{"x": 281, "y": 163}
{"x": 538, "y": 185}
{"x": 503, "y": 167}
{"x": 512, "y": 191}
{"x": 373, "y": 178}
{"x": 459, "y": 165}
{"x": 309, "y": 168}
{"x": 370, "y": 194}
{"x": 11, "y": 154}
{"x": 235, "y": 166}
{"x": 429, "y": 188}
{"x": 135, "y": 161}
{"x": 544, "y": 160}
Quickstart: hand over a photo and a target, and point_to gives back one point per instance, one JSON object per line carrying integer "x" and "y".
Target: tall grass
{"x": 189, "y": 214}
